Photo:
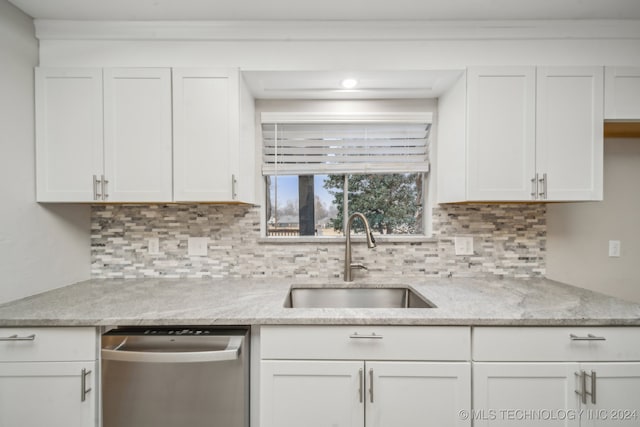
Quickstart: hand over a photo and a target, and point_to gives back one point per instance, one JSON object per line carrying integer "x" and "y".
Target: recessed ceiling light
{"x": 349, "y": 83}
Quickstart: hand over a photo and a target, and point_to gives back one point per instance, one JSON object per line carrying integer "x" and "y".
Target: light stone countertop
{"x": 459, "y": 301}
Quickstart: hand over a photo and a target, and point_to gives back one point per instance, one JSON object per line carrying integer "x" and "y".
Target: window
{"x": 318, "y": 168}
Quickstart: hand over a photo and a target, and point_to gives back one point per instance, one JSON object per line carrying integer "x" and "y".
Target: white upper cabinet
{"x": 68, "y": 133}
{"x": 522, "y": 134}
{"x": 501, "y": 132}
{"x": 213, "y": 146}
{"x": 117, "y": 135}
{"x": 622, "y": 93}
{"x": 103, "y": 136}
{"x": 137, "y": 135}
{"x": 569, "y": 133}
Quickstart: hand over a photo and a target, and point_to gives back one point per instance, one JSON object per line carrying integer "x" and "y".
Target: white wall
{"x": 41, "y": 247}
{"x": 578, "y": 234}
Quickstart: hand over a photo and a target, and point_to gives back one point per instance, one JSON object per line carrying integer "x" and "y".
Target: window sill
{"x": 341, "y": 240}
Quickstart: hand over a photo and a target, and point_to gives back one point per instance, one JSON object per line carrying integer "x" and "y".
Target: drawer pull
{"x": 83, "y": 384}
{"x": 31, "y": 337}
{"x": 589, "y": 337}
{"x": 373, "y": 336}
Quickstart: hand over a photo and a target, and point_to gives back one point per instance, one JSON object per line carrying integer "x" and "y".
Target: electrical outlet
{"x": 197, "y": 246}
{"x": 154, "y": 245}
{"x": 614, "y": 248}
{"x": 463, "y": 245}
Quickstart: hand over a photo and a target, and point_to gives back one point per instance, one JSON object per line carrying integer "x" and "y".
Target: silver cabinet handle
{"x": 360, "y": 390}
{"x": 83, "y": 384}
{"x": 373, "y": 336}
{"x": 105, "y": 188}
{"x": 543, "y": 181}
{"x": 31, "y": 337}
{"x": 97, "y": 195}
{"x": 589, "y": 337}
{"x": 230, "y": 353}
{"x": 371, "y": 385}
{"x": 534, "y": 187}
{"x": 592, "y": 376}
{"x": 582, "y": 384}
{"x": 234, "y": 187}
{"x": 95, "y": 188}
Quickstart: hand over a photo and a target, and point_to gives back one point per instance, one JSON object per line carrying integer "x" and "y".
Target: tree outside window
{"x": 309, "y": 205}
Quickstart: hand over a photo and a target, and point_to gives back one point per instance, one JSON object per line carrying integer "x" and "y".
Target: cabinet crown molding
{"x": 337, "y": 30}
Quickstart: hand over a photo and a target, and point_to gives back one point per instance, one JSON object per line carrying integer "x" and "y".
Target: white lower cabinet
{"x": 417, "y": 394}
{"x": 532, "y": 376}
{"x": 311, "y": 393}
{"x": 50, "y": 394}
{"x": 355, "y": 394}
{"x": 614, "y": 398}
{"x": 507, "y": 394}
{"x": 362, "y": 386}
{"x": 554, "y": 394}
{"x": 48, "y": 377}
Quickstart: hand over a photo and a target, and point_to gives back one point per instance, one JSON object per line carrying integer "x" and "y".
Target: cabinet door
{"x": 68, "y": 133}
{"x": 417, "y": 394}
{"x": 617, "y": 397}
{"x": 525, "y": 394}
{"x": 47, "y": 394}
{"x": 205, "y": 108}
{"x": 312, "y": 394}
{"x": 622, "y": 93}
{"x": 137, "y": 134}
{"x": 569, "y": 132}
{"x": 501, "y": 133}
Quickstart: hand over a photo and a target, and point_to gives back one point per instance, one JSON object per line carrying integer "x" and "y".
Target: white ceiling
{"x": 329, "y": 9}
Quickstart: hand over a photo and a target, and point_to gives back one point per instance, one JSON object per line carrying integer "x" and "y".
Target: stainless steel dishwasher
{"x": 175, "y": 376}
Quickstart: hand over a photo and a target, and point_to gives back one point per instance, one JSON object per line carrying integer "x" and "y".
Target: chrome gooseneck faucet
{"x": 371, "y": 243}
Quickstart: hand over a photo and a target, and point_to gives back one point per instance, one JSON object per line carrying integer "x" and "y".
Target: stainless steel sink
{"x": 355, "y": 297}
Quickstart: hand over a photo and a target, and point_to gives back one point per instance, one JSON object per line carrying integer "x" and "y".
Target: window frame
{"x": 341, "y": 117}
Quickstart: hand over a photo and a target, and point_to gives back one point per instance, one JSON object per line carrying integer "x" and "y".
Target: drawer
{"x": 366, "y": 342}
{"x": 47, "y": 344}
{"x": 532, "y": 344}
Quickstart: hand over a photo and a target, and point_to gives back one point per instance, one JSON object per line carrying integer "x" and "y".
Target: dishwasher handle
{"x": 231, "y": 352}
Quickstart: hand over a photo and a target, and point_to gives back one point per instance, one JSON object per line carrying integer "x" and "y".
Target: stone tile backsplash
{"x": 509, "y": 240}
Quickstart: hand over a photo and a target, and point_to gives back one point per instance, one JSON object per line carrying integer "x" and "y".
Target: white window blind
{"x": 298, "y": 148}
